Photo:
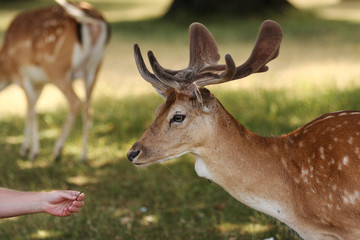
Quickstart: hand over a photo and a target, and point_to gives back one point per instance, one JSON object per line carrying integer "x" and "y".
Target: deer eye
{"x": 178, "y": 118}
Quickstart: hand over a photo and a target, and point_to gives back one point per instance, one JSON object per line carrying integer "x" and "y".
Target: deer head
{"x": 189, "y": 106}
{"x": 308, "y": 179}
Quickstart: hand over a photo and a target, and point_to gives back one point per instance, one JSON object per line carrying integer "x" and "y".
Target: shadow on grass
{"x": 298, "y": 27}
{"x": 159, "y": 202}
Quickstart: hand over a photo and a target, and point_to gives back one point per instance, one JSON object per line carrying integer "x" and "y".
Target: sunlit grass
{"x": 248, "y": 228}
{"x": 304, "y": 4}
{"x": 44, "y": 234}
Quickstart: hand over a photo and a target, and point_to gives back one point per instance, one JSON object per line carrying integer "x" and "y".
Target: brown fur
{"x": 39, "y": 48}
{"x": 308, "y": 177}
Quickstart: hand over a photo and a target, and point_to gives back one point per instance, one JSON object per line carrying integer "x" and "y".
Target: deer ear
{"x": 203, "y": 48}
{"x": 203, "y": 98}
{"x": 159, "y": 91}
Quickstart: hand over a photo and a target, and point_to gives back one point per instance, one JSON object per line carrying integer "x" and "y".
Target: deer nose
{"x": 132, "y": 155}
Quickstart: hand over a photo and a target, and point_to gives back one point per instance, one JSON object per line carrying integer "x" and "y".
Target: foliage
{"x": 184, "y": 9}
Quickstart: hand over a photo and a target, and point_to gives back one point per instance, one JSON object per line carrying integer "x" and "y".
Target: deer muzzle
{"x": 132, "y": 155}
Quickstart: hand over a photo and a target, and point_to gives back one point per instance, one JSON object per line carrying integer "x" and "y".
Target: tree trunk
{"x": 232, "y": 8}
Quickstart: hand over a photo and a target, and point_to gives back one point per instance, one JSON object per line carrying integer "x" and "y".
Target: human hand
{"x": 62, "y": 203}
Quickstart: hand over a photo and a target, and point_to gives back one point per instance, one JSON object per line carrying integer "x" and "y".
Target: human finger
{"x": 80, "y": 196}
{"x": 74, "y": 209}
{"x": 78, "y": 203}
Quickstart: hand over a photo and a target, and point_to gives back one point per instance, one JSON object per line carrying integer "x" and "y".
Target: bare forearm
{"x": 15, "y": 203}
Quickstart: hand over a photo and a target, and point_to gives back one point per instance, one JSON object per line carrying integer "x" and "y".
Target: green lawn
{"x": 317, "y": 72}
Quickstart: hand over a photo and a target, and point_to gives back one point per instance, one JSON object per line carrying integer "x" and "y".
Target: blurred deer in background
{"x": 57, "y": 45}
{"x": 308, "y": 179}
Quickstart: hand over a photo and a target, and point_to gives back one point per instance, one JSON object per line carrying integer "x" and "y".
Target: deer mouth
{"x": 134, "y": 156}
{"x": 143, "y": 164}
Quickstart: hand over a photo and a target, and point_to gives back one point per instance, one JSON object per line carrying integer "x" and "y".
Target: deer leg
{"x": 86, "y": 121}
{"x": 87, "y": 116}
{"x": 74, "y": 107}
{"x": 31, "y": 126}
{"x": 27, "y": 133}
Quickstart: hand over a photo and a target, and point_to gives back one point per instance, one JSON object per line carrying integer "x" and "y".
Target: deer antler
{"x": 203, "y": 67}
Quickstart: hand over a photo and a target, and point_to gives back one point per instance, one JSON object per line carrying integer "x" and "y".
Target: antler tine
{"x": 211, "y": 78}
{"x": 153, "y": 58}
{"x": 266, "y": 48}
{"x": 230, "y": 68}
{"x": 203, "y": 47}
{"x": 144, "y": 72}
{"x": 164, "y": 76}
{"x": 203, "y": 68}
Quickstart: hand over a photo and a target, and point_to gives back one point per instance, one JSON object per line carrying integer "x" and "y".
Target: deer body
{"x": 307, "y": 182}
{"x": 54, "y": 45}
{"x": 306, "y": 179}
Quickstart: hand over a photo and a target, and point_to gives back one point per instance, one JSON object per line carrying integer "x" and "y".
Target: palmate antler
{"x": 203, "y": 68}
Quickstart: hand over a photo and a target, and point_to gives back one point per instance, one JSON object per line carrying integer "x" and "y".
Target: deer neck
{"x": 246, "y": 165}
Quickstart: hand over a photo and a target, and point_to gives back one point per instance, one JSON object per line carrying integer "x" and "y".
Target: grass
{"x": 317, "y": 72}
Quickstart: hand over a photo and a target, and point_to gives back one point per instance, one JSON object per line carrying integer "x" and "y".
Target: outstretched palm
{"x": 63, "y": 203}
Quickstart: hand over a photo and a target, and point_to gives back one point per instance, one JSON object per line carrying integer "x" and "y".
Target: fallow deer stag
{"x": 308, "y": 179}
{"x": 55, "y": 45}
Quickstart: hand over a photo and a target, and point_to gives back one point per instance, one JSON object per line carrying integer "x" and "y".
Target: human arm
{"x": 60, "y": 203}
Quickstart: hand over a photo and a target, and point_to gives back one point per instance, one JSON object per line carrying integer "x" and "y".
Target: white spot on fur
{"x": 346, "y": 160}
{"x": 304, "y": 172}
{"x": 322, "y": 155}
{"x": 351, "y": 198}
{"x": 283, "y": 161}
{"x": 51, "y": 57}
{"x": 59, "y": 31}
{"x": 339, "y": 166}
{"x": 275, "y": 148}
{"x": 50, "y": 38}
{"x": 345, "y": 199}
